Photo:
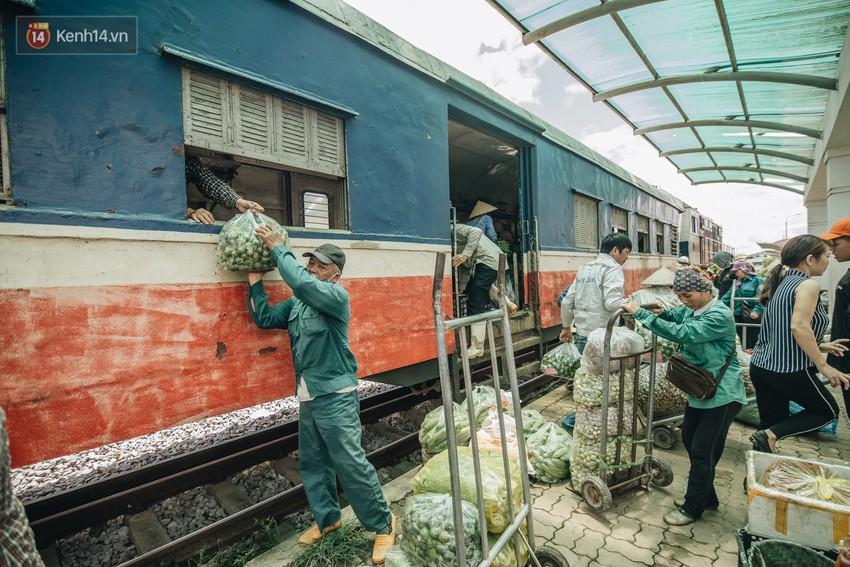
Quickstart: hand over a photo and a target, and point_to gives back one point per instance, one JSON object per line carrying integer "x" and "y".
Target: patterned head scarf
{"x": 745, "y": 267}
{"x": 691, "y": 278}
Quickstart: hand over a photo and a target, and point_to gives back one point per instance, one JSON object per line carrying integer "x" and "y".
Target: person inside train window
{"x": 215, "y": 190}
{"x": 17, "y": 543}
{"x": 317, "y": 320}
{"x": 721, "y": 267}
{"x": 597, "y": 291}
{"x": 480, "y": 256}
{"x": 481, "y": 220}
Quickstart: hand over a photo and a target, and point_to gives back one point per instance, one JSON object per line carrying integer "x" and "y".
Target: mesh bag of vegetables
{"x": 483, "y": 397}
{"x": 432, "y": 434}
{"x": 588, "y": 388}
{"x": 669, "y": 400}
{"x": 239, "y": 249}
{"x": 666, "y": 348}
{"x": 549, "y": 451}
{"x": 429, "y": 532}
{"x": 623, "y": 342}
{"x": 586, "y": 458}
{"x": 563, "y": 361}
{"x": 589, "y": 421}
{"x": 805, "y": 478}
{"x": 532, "y": 420}
{"x": 434, "y": 477}
{"x": 744, "y": 363}
{"x": 396, "y": 557}
{"x": 489, "y": 437}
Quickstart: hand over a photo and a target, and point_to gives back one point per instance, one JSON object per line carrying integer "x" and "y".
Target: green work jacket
{"x": 706, "y": 340}
{"x": 316, "y": 319}
{"x": 750, "y": 287}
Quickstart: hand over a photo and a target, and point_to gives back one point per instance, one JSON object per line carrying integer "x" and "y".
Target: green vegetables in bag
{"x": 563, "y": 360}
{"x": 429, "y": 532}
{"x": 549, "y": 451}
{"x": 532, "y": 420}
{"x": 432, "y": 434}
{"x": 239, "y": 249}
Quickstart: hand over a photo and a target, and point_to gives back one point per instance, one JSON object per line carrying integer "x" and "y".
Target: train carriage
{"x": 117, "y": 320}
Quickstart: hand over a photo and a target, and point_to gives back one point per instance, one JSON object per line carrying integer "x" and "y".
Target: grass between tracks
{"x": 239, "y": 554}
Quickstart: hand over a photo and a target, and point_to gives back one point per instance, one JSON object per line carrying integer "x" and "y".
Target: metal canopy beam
{"x": 610, "y": 7}
{"x": 758, "y": 76}
{"x": 761, "y": 124}
{"x": 773, "y": 172}
{"x": 751, "y": 182}
{"x": 732, "y": 149}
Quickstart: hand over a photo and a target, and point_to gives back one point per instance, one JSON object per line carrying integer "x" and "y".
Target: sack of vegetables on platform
{"x": 483, "y": 397}
{"x": 434, "y": 477}
{"x": 433, "y": 436}
{"x": 563, "y": 361}
{"x": 489, "y": 437}
{"x": 549, "y": 452}
{"x": 239, "y": 249}
{"x": 623, "y": 343}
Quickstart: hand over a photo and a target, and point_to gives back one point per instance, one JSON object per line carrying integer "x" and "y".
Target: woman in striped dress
{"x": 789, "y": 354}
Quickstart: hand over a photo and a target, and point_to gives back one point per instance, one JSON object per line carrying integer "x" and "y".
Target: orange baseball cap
{"x": 839, "y": 229}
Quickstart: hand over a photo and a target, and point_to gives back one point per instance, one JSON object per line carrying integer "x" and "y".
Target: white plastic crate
{"x": 776, "y": 514}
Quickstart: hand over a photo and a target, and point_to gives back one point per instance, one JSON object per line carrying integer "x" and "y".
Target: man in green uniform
{"x": 316, "y": 319}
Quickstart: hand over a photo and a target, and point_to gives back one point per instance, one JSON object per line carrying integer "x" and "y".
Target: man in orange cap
{"x": 839, "y": 243}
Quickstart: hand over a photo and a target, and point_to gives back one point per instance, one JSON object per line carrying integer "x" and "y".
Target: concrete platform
{"x": 632, "y": 531}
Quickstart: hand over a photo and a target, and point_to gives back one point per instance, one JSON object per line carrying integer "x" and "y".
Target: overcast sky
{"x": 473, "y": 37}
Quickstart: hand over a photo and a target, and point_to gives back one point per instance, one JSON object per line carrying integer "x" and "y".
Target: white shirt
{"x": 596, "y": 293}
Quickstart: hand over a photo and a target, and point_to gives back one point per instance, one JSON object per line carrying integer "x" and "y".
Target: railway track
{"x": 132, "y": 494}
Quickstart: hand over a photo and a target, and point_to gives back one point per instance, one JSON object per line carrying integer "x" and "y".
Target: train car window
{"x": 586, "y": 222}
{"x": 619, "y": 220}
{"x": 659, "y": 238}
{"x": 5, "y": 176}
{"x": 278, "y": 148}
{"x": 643, "y": 242}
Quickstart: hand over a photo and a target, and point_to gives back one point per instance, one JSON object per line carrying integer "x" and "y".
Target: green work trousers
{"x": 329, "y": 447}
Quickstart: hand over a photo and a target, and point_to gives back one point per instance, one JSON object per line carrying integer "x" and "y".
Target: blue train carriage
{"x": 117, "y": 319}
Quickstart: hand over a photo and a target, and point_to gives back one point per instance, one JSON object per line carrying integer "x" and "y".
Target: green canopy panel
{"x": 712, "y": 84}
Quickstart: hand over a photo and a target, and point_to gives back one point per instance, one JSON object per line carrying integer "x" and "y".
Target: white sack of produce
{"x": 669, "y": 400}
{"x": 588, "y": 388}
{"x": 589, "y": 420}
{"x": 549, "y": 451}
{"x": 397, "y": 557}
{"x": 432, "y": 434}
{"x": 532, "y": 420}
{"x": 744, "y": 362}
{"x": 490, "y": 436}
{"x": 587, "y": 458}
{"x": 483, "y": 398}
{"x": 434, "y": 477}
{"x": 623, "y": 342}
{"x": 239, "y": 249}
{"x": 429, "y": 532}
{"x": 563, "y": 361}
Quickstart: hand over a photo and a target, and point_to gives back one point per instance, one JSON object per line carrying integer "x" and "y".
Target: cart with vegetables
{"x": 605, "y": 456}
{"x": 472, "y": 520}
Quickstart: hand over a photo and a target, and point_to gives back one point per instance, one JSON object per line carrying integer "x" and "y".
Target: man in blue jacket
{"x": 316, "y": 319}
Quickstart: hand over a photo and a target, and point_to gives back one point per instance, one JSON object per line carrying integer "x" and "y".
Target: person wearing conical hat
{"x": 483, "y": 221}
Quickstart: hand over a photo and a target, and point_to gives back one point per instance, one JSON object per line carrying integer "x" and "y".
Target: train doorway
{"x": 485, "y": 168}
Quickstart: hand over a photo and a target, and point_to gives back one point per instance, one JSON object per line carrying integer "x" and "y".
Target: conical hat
{"x": 662, "y": 276}
{"x": 481, "y": 208}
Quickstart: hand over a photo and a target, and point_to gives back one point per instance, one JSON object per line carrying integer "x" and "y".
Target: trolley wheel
{"x": 550, "y": 557}
{"x": 663, "y": 437}
{"x": 662, "y": 474}
{"x": 596, "y": 493}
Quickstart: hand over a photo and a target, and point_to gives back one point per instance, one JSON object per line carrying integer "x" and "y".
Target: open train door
{"x": 484, "y": 166}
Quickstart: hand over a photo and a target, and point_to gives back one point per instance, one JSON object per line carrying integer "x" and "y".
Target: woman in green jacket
{"x": 705, "y": 329}
{"x": 747, "y": 284}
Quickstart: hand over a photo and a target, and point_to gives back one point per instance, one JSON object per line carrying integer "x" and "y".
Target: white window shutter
{"x": 205, "y": 110}
{"x": 253, "y": 121}
{"x": 293, "y": 135}
{"x": 330, "y": 157}
{"x": 585, "y": 222}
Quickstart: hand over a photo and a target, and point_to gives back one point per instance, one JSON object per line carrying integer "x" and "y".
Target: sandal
{"x": 761, "y": 442}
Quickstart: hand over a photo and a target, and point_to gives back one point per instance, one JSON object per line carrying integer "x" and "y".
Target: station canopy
{"x": 730, "y": 91}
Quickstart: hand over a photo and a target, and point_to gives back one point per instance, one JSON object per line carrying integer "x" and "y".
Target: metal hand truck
{"x": 626, "y": 471}
{"x": 538, "y": 556}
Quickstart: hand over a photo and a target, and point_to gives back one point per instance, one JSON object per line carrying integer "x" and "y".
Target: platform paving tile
{"x": 625, "y": 549}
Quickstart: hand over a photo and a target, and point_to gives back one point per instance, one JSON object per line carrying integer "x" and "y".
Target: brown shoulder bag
{"x": 694, "y": 380}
